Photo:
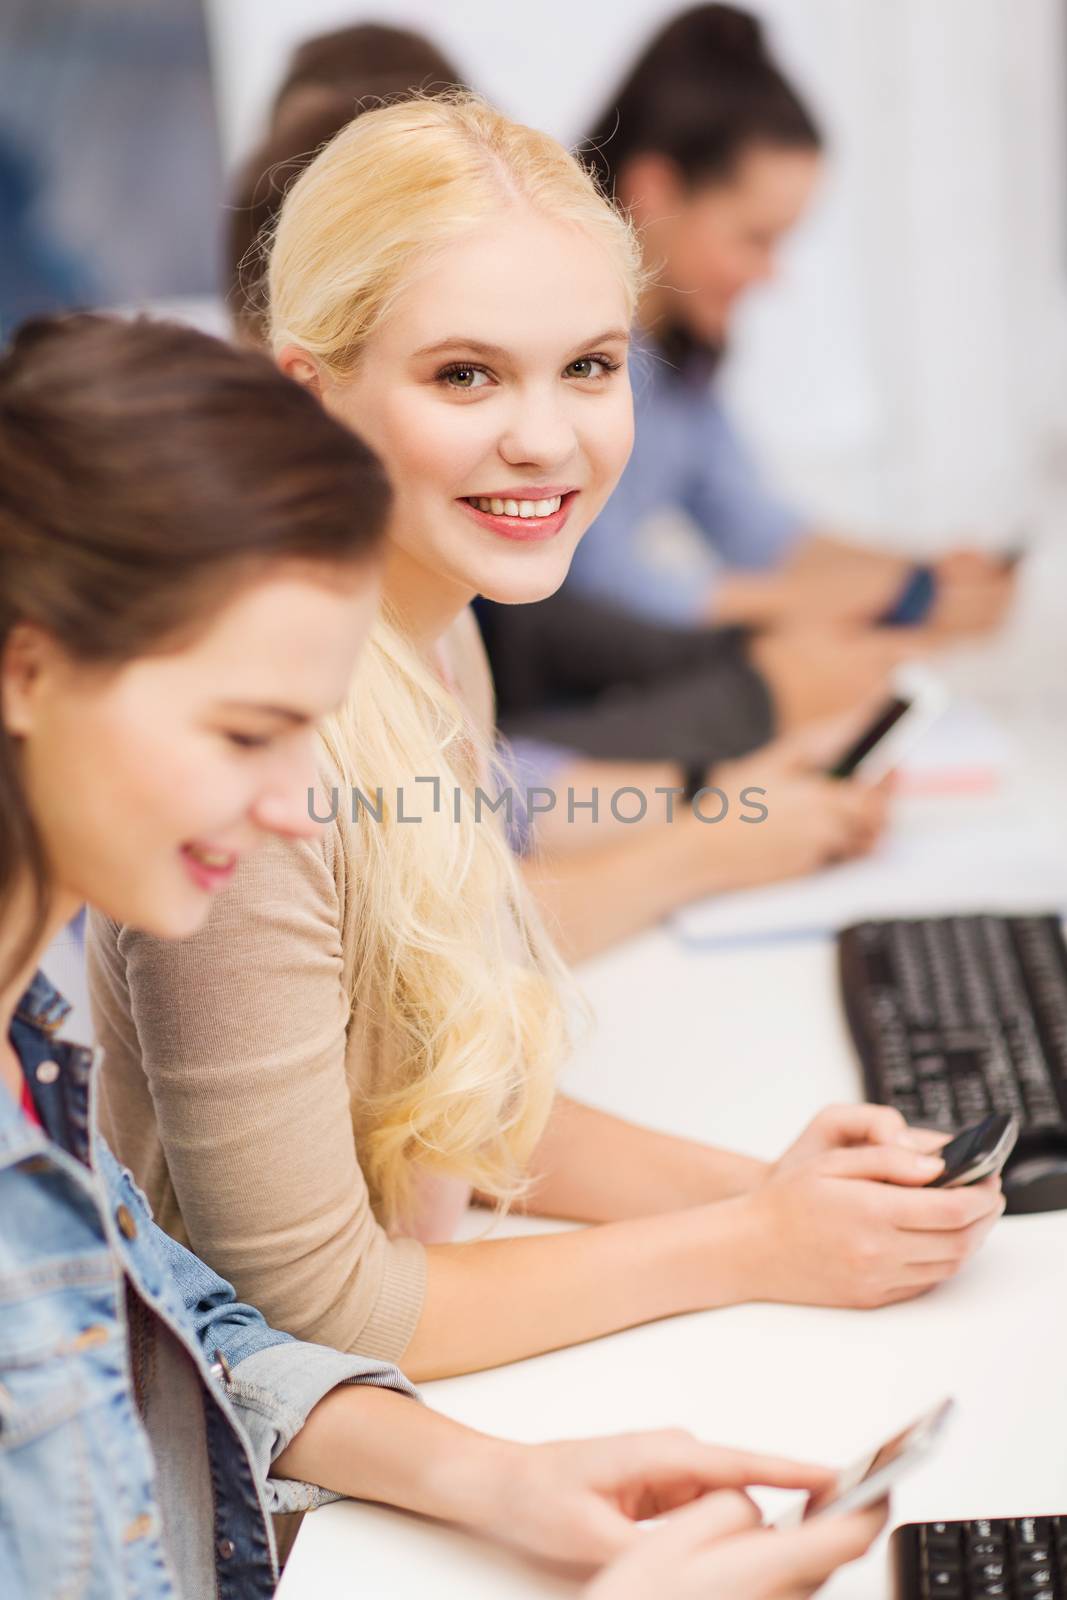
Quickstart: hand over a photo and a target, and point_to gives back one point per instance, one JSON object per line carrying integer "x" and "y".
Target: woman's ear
{"x": 23, "y": 671}
{"x": 297, "y": 364}
{"x": 649, "y": 187}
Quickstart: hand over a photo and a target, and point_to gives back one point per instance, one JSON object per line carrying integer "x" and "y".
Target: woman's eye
{"x": 590, "y": 367}
{"x": 248, "y": 741}
{"x": 460, "y": 377}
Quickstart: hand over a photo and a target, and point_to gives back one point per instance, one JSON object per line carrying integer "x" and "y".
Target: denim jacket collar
{"x": 60, "y": 1094}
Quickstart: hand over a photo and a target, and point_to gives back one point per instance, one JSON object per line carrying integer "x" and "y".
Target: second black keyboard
{"x": 998, "y": 1558}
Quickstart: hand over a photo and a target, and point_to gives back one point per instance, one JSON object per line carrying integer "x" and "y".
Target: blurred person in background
{"x": 713, "y": 153}
{"x": 647, "y": 705}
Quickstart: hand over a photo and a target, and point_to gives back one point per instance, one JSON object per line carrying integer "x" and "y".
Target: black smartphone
{"x": 916, "y": 702}
{"x": 977, "y": 1152}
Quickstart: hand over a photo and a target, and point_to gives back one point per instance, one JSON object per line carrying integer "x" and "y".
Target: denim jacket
{"x": 141, "y": 1405}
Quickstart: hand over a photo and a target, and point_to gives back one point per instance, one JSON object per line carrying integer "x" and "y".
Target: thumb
{"x": 882, "y": 1163}
{"x": 858, "y": 1124}
{"x": 714, "y": 1516}
{"x": 819, "y": 744}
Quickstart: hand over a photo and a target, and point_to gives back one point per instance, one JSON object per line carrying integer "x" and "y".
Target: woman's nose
{"x": 293, "y": 808}
{"x": 539, "y": 434}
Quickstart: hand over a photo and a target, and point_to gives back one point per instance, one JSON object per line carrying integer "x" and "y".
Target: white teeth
{"x": 517, "y": 508}
{"x": 211, "y": 858}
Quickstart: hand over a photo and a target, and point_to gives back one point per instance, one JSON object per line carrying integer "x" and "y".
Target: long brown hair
{"x": 146, "y": 470}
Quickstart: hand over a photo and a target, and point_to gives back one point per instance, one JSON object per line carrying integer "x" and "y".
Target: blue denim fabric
{"x": 687, "y": 457}
{"x": 81, "y": 1512}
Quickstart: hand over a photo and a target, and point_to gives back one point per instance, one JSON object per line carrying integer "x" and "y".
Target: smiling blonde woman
{"x": 368, "y": 1031}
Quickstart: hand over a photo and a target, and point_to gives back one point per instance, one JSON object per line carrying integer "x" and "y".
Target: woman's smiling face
{"x": 496, "y": 392}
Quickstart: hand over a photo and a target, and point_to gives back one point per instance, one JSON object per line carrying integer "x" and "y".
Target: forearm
{"x": 596, "y": 898}
{"x": 499, "y": 1300}
{"x": 583, "y": 818}
{"x": 754, "y": 599}
{"x": 598, "y": 1168}
{"x": 372, "y": 1444}
{"x": 822, "y": 550}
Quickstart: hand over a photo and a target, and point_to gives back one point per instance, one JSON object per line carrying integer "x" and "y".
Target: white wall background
{"x": 906, "y": 371}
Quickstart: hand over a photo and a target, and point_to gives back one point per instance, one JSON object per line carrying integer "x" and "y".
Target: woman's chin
{"x": 524, "y": 583}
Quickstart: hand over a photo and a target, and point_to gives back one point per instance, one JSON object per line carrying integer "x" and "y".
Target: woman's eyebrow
{"x": 497, "y": 352}
{"x": 286, "y": 713}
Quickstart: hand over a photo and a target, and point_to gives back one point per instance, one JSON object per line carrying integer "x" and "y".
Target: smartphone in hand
{"x": 870, "y": 1479}
{"x": 977, "y": 1152}
{"x": 917, "y": 700}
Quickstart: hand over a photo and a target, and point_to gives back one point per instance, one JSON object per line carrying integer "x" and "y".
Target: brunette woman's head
{"x": 187, "y": 566}
{"x": 714, "y": 153}
{"x": 329, "y": 79}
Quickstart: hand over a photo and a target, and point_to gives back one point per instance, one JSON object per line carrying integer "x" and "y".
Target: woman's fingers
{"x": 810, "y": 1553}
{"x": 886, "y": 1163}
{"x": 719, "y": 1515}
{"x": 947, "y": 1210}
{"x": 671, "y": 1455}
{"x": 857, "y": 1124}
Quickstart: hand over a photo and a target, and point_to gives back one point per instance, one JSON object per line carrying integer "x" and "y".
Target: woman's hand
{"x": 717, "y": 1548}
{"x": 844, "y": 1217}
{"x": 970, "y": 600}
{"x": 844, "y": 1126}
{"x": 811, "y": 820}
{"x": 822, "y": 671}
{"x": 579, "y": 1501}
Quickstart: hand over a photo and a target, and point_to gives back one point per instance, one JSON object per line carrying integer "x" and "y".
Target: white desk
{"x": 744, "y": 1047}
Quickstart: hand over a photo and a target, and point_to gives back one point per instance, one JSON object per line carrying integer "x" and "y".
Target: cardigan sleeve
{"x": 242, "y": 1035}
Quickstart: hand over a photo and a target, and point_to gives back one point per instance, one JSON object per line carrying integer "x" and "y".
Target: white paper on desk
{"x": 1002, "y": 866}
{"x": 965, "y": 743}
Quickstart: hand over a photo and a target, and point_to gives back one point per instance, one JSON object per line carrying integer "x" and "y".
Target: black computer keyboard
{"x": 957, "y": 1017}
{"x": 1011, "y": 1558}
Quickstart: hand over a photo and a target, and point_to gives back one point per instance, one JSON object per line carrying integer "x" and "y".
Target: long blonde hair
{"x": 467, "y": 991}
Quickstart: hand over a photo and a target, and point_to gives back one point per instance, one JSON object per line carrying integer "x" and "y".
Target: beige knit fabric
{"x": 230, "y": 1063}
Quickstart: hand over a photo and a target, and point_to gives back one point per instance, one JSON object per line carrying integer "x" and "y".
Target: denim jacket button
{"x": 220, "y": 1368}
{"x": 127, "y": 1226}
{"x": 47, "y": 1072}
{"x": 226, "y": 1548}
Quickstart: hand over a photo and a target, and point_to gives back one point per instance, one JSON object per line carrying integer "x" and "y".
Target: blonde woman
{"x": 368, "y": 1032}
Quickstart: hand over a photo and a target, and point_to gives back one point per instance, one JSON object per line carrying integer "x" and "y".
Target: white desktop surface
{"x": 743, "y": 1046}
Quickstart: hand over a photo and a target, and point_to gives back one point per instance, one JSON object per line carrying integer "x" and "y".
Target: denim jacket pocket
{"x": 46, "y": 1448}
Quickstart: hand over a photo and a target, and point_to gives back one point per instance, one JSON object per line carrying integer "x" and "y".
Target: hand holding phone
{"x": 917, "y": 700}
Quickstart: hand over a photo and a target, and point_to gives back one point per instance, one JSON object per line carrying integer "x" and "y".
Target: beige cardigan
{"x": 228, "y": 1058}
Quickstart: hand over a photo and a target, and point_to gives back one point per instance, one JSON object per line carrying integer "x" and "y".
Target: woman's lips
{"x": 523, "y": 530}
{"x": 209, "y": 869}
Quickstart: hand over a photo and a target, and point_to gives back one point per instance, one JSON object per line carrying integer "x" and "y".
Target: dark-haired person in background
{"x": 716, "y": 157}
